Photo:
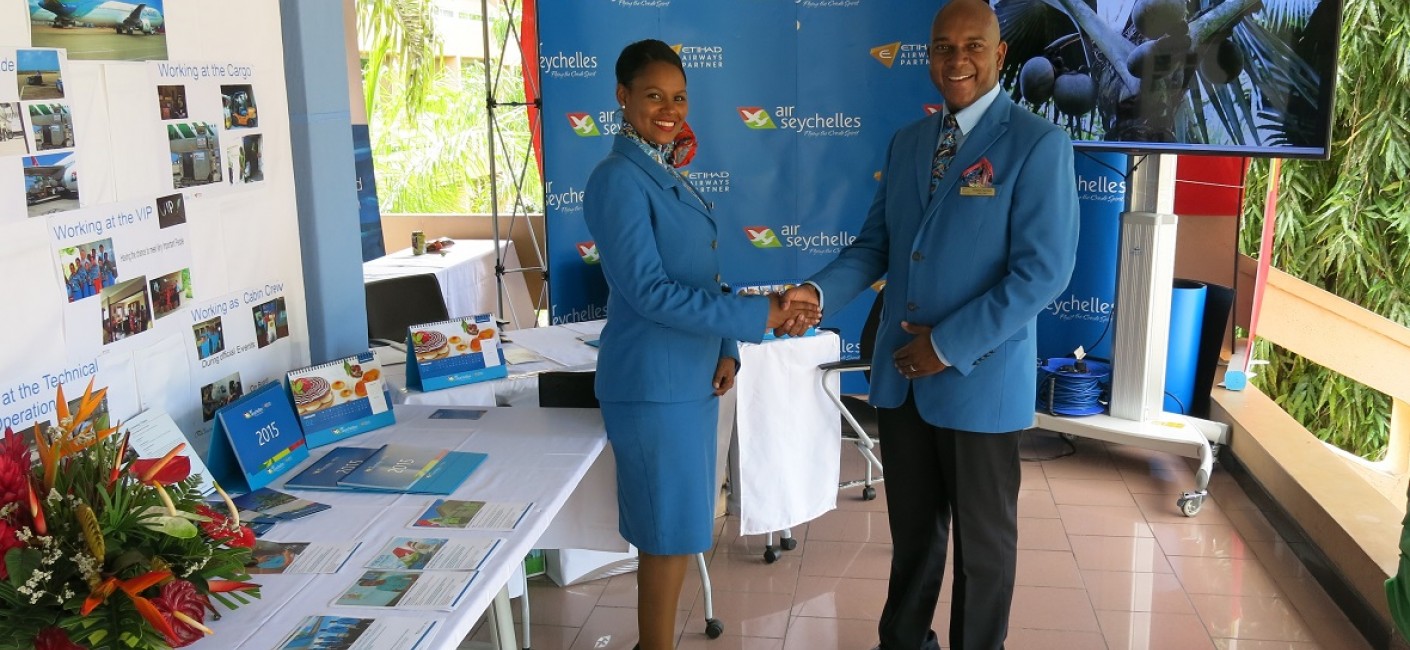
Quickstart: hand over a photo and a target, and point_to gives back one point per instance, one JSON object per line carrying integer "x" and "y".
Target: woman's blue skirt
{"x": 666, "y": 483}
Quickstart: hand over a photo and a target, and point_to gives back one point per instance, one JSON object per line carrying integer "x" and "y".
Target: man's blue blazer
{"x": 668, "y": 321}
{"x": 977, "y": 269}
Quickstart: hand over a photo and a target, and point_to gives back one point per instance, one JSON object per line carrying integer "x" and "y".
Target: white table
{"x": 788, "y": 431}
{"x": 467, "y": 278}
{"x": 537, "y": 455}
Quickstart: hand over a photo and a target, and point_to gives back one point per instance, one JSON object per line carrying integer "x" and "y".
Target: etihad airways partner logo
{"x": 695, "y": 57}
{"x": 905, "y": 54}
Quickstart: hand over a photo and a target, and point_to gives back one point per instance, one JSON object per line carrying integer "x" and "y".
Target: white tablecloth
{"x": 537, "y": 455}
{"x": 466, "y": 274}
{"x": 789, "y": 432}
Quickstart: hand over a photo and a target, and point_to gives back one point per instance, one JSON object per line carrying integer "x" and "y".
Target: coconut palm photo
{"x": 1237, "y": 76}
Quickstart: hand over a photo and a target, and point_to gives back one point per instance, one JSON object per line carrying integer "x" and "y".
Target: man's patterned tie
{"x": 945, "y": 152}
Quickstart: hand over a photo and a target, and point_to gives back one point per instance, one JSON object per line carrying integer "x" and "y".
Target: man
{"x": 975, "y": 228}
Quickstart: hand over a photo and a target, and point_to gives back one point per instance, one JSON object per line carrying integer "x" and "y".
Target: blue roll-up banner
{"x": 793, "y": 105}
{"x": 1081, "y": 314}
{"x": 1182, "y": 353}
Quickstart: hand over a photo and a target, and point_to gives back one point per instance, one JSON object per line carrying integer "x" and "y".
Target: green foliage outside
{"x": 429, "y": 123}
{"x": 1344, "y": 224}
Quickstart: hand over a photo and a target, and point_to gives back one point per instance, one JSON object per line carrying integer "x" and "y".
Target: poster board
{"x": 207, "y": 260}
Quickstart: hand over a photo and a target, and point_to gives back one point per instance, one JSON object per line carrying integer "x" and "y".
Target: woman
{"x": 669, "y": 349}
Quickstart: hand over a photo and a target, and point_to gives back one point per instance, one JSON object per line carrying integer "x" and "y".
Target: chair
{"x": 567, "y": 389}
{"x": 394, "y": 304}
{"x": 855, "y": 409}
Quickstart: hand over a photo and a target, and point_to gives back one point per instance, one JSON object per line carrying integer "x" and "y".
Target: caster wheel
{"x": 788, "y": 543}
{"x": 714, "y": 628}
{"x": 1190, "y": 504}
{"x": 868, "y": 493}
{"x": 771, "y": 555}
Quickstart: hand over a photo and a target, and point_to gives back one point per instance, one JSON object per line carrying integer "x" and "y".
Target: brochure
{"x": 273, "y": 506}
{"x": 325, "y": 472}
{"x": 340, "y": 399}
{"x": 433, "y": 553}
{"x": 472, "y": 515}
{"x": 453, "y": 352}
{"x": 359, "y": 633}
{"x": 412, "y": 590}
{"x": 298, "y": 557}
{"x": 417, "y": 470}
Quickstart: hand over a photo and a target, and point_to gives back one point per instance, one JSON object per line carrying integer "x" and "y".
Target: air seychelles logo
{"x": 694, "y": 57}
{"x": 570, "y": 200}
{"x": 762, "y": 237}
{"x": 814, "y": 243}
{"x": 588, "y": 251}
{"x": 837, "y": 124}
{"x": 583, "y": 125}
{"x": 566, "y": 65}
{"x": 756, "y": 117}
{"x": 1101, "y": 189}
{"x": 902, "y": 54}
{"x": 588, "y": 125}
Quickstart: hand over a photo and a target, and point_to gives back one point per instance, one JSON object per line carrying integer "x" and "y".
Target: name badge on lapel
{"x": 978, "y": 179}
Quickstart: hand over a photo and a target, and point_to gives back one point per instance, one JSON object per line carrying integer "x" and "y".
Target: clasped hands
{"x": 792, "y": 312}
{"x": 915, "y": 359}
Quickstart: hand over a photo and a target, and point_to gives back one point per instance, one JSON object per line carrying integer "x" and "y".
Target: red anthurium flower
{"x": 221, "y": 529}
{"x": 53, "y": 638}
{"x": 185, "y": 609}
{"x": 168, "y": 469}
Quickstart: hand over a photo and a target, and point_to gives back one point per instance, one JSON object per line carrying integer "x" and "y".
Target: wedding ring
{"x": 912, "y": 367}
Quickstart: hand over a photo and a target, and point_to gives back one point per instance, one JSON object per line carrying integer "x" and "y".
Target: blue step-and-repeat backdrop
{"x": 793, "y": 103}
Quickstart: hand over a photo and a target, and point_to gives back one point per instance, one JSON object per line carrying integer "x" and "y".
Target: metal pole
{"x": 490, "y": 105}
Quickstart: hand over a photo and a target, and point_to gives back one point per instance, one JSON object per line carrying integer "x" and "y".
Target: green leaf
{"x": 21, "y": 563}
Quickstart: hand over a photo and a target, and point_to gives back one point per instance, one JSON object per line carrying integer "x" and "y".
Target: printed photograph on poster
{"x": 239, "y": 103}
{"x": 100, "y": 31}
{"x": 195, "y": 154}
{"x": 210, "y": 337}
{"x": 39, "y": 74}
{"x": 126, "y": 310}
{"x": 271, "y": 321}
{"x": 118, "y": 252}
{"x": 87, "y": 268}
{"x": 172, "y": 100}
{"x": 50, "y": 183}
{"x": 251, "y": 168}
{"x": 219, "y": 393}
{"x": 52, "y": 125}
{"x": 170, "y": 292}
{"x": 12, "y": 140}
{"x": 171, "y": 210}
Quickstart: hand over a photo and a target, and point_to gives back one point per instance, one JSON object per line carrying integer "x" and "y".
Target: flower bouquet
{"x": 104, "y": 551}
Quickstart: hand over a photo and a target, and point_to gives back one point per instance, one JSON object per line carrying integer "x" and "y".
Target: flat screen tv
{"x": 1228, "y": 77}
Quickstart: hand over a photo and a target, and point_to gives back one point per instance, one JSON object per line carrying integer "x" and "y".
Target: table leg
{"x": 502, "y": 629}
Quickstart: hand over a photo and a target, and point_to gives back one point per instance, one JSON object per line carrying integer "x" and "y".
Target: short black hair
{"x": 635, "y": 57}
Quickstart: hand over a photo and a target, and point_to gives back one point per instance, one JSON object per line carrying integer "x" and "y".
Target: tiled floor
{"x": 1105, "y": 561}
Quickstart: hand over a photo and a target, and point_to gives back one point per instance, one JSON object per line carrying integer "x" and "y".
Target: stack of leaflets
{"x": 349, "y": 632}
{"x": 389, "y": 468}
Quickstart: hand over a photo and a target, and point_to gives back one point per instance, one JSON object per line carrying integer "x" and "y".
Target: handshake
{"x": 792, "y": 312}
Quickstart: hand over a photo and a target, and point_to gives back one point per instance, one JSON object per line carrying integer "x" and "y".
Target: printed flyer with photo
{"x": 412, "y": 590}
{"x": 345, "y": 633}
{"x": 433, "y": 553}
{"x": 472, "y": 515}
{"x": 298, "y": 557}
